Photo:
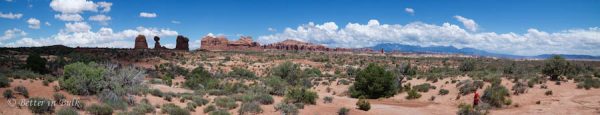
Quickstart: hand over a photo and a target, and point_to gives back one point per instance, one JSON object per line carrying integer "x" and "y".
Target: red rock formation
{"x": 157, "y": 43}
{"x": 140, "y": 42}
{"x": 221, "y": 43}
{"x": 182, "y": 43}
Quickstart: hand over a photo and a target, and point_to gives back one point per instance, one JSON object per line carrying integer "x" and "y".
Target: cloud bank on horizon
{"x": 80, "y": 18}
{"x": 356, "y": 35}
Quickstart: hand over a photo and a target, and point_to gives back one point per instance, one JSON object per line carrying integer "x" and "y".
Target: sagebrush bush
{"x": 250, "y": 108}
{"x": 589, "y": 82}
{"x": 142, "y": 108}
{"x": 343, "y": 111}
{"x": 238, "y": 72}
{"x": 301, "y": 95}
{"x": 58, "y": 97}
{"x": 96, "y": 109}
{"x": 443, "y": 92}
{"x": 191, "y": 106}
{"x": 413, "y": 94}
{"x": 220, "y": 112}
{"x": 22, "y": 90}
{"x": 374, "y": 82}
{"x": 199, "y": 100}
{"x": 466, "y": 109}
{"x": 327, "y": 99}
{"x": 67, "y": 111}
{"x": 519, "y": 88}
{"x": 495, "y": 95}
{"x": 275, "y": 85}
{"x": 265, "y": 99}
{"x": 363, "y": 104}
{"x": 41, "y": 105}
{"x": 287, "y": 109}
{"x": 225, "y": 102}
{"x": 423, "y": 87}
{"x": 173, "y": 109}
{"x": 469, "y": 86}
{"x": 156, "y": 92}
{"x": 209, "y": 108}
{"x": 8, "y": 94}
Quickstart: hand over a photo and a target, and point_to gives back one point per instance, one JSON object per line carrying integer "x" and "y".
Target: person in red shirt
{"x": 476, "y": 99}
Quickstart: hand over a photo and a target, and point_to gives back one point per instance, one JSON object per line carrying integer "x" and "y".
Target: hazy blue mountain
{"x": 388, "y": 47}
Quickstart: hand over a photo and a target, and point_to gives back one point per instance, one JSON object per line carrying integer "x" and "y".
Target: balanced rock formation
{"x": 140, "y": 42}
{"x": 157, "y": 43}
{"x": 221, "y": 43}
{"x": 182, "y": 43}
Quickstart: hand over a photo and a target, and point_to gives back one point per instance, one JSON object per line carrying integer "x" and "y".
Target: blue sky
{"x": 523, "y": 27}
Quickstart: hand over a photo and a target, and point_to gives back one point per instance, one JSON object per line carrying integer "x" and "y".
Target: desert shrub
{"x": 443, "y": 92}
{"x": 549, "y": 92}
{"x": 191, "y": 106}
{"x": 58, "y": 97}
{"x": 327, "y": 99}
{"x": 142, "y": 108}
{"x": 495, "y": 95}
{"x": 8, "y": 94}
{"x": 519, "y": 88}
{"x": 413, "y": 94}
{"x": 173, "y": 109}
{"x": 36, "y": 63}
{"x": 156, "y": 92}
{"x": 67, "y": 111}
{"x": 275, "y": 85}
{"x": 41, "y": 105}
{"x": 77, "y": 104}
{"x": 217, "y": 92}
{"x": 22, "y": 90}
{"x": 289, "y": 72}
{"x": 408, "y": 70}
{"x": 249, "y": 108}
{"x": 301, "y": 95}
{"x": 225, "y": 102}
{"x": 4, "y": 81}
{"x": 200, "y": 78}
{"x": 467, "y": 65}
{"x": 83, "y": 79}
{"x": 287, "y": 109}
{"x": 313, "y": 72}
{"x": 468, "y": 86}
{"x": 343, "y": 82}
{"x": 467, "y": 109}
{"x": 343, "y": 111}
{"x": 363, "y": 104}
{"x": 238, "y": 72}
{"x": 96, "y": 109}
{"x": 374, "y": 82}
{"x": 220, "y": 112}
{"x": 555, "y": 67}
{"x": 199, "y": 100}
{"x": 209, "y": 108}
{"x": 423, "y": 87}
{"x": 589, "y": 82}
{"x": 265, "y": 99}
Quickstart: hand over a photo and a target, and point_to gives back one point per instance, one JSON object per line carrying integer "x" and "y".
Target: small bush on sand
{"x": 173, "y": 109}
{"x": 8, "y": 94}
{"x": 443, "y": 92}
{"x": 41, "y": 105}
{"x": 58, "y": 97}
{"x": 220, "y": 112}
{"x": 327, "y": 99}
{"x": 374, "y": 82}
{"x": 287, "y": 109}
{"x": 250, "y": 108}
{"x": 495, "y": 95}
{"x": 413, "y": 94}
{"x": 301, "y": 95}
{"x": 423, "y": 87}
{"x": 67, "y": 111}
{"x": 363, "y": 104}
{"x": 22, "y": 90}
{"x": 469, "y": 86}
{"x": 225, "y": 102}
{"x": 209, "y": 108}
{"x": 96, "y": 109}
{"x": 343, "y": 111}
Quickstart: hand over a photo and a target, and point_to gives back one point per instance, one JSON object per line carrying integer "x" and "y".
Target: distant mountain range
{"x": 388, "y": 47}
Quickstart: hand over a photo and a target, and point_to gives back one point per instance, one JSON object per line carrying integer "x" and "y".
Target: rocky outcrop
{"x": 221, "y": 43}
{"x": 182, "y": 43}
{"x": 157, "y": 45}
{"x": 140, "y": 42}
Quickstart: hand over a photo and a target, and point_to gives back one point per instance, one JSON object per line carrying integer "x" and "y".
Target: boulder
{"x": 140, "y": 42}
{"x": 182, "y": 43}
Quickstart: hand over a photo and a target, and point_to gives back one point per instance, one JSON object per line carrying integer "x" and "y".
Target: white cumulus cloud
{"x": 410, "y": 11}
{"x": 104, "y": 37}
{"x": 105, "y": 6}
{"x": 148, "y": 15}
{"x": 69, "y": 17}
{"x": 10, "y": 15}
{"x": 33, "y": 23}
{"x": 356, "y": 35}
{"x": 468, "y": 23}
{"x": 101, "y": 18}
{"x": 77, "y": 27}
{"x": 12, "y": 33}
{"x": 73, "y": 6}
